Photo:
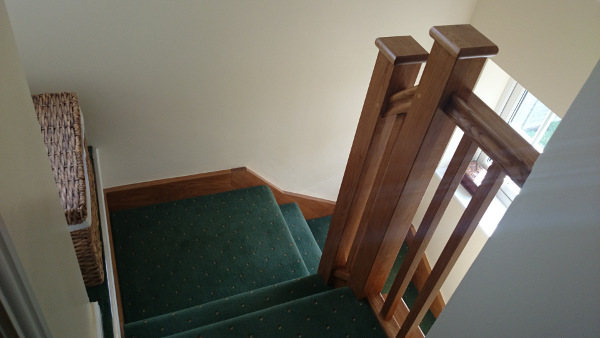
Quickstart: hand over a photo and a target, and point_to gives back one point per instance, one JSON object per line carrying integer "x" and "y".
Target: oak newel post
{"x": 401, "y": 136}
{"x": 398, "y": 63}
{"x": 456, "y": 59}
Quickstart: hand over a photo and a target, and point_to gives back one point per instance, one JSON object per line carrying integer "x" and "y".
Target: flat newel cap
{"x": 463, "y": 41}
{"x": 402, "y": 49}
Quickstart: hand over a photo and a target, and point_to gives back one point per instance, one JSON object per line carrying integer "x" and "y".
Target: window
{"x": 531, "y": 119}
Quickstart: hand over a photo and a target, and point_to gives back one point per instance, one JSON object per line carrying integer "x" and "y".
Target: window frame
{"x": 507, "y": 108}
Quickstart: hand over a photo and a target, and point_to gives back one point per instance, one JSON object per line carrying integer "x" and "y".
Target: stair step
{"x": 226, "y": 308}
{"x": 319, "y": 227}
{"x": 308, "y": 247}
{"x": 175, "y": 255}
{"x": 328, "y": 314}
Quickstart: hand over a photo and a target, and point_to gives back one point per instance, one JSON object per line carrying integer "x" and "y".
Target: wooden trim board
{"x": 311, "y": 207}
{"x": 153, "y": 192}
{"x": 113, "y": 258}
{"x": 171, "y": 189}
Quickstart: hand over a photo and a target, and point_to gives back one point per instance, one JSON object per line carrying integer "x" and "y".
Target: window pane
{"x": 529, "y": 116}
{"x": 550, "y": 131}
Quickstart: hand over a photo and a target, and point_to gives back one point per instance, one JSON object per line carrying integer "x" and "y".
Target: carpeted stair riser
{"x": 303, "y": 237}
{"x": 334, "y": 313}
{"x": 319, "y": 227}
{"x": 177, "y": 255}
{"x": 226, "y": 308}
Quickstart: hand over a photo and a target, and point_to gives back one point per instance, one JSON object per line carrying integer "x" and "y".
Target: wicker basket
{"x": 61, "y": 123}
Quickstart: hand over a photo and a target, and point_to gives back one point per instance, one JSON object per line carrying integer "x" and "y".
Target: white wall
{"x": 548, "y": 46}
{"x": 538, "y": 275}
{"x": 172, "y": 88}
{"x": 29, "y": 202}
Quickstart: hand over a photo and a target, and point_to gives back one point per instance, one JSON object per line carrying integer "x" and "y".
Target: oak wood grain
{"x": 311, "y": 207}
{"x": 422, "y": 274}
{"x": 401, "y": 50}
{"x": 463, "y": 41}
{"x": 392, "y": 326}
{"x": 172, "y": 189}
{"x": 457, "y": 242}
{"x": 389, "y": 76}
{"x": 441, "y": 199}
{"x": 114, "y": 271}
{"x": 380, "y": 150}
{"x": 495, "y": 137}
{"x": 419, "y": 147}
{"x": 165, "y": 190}
{"x": 400, "y": 102}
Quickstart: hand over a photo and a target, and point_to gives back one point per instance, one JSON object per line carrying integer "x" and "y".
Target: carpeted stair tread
{"x": 176, "y": 255}
{"x": 223, "y": 309}
{"x": 334, "y": 313}
{"x": 308, "y": 247}
{"x": 319, "y": 227}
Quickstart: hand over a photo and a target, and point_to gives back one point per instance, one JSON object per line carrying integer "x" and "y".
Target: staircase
{"x": 232, "y": 264}
{"x": 182, "y": 265}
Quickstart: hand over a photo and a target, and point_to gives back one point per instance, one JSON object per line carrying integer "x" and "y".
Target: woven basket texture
{"x": 60, "y": 121}
{"x": 87, "y": 242}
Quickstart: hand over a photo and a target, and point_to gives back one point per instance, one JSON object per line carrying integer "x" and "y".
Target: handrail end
{"x": 463, "y": 41}
{"x": 401, "y": 49}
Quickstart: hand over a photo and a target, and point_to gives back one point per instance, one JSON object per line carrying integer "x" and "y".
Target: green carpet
{"x": 334, "y": 313}
{"x": 319, "y": 227}
{"x": 233, "y": 265}
{"x": 177, "y": 255}
{"x": 309, "y": 249}
{"x": 226, "y": 308}
{"x": 411, "y": 294}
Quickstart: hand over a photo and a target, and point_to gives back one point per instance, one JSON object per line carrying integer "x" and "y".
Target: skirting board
{"x": 171, "y": 189}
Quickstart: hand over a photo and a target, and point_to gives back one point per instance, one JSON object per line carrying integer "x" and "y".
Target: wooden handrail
{"x": 511, "y": 154}
{"x": 484, "y": 128}
{"x": 402, "y": 134}
{"x": 494, "y": 136}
